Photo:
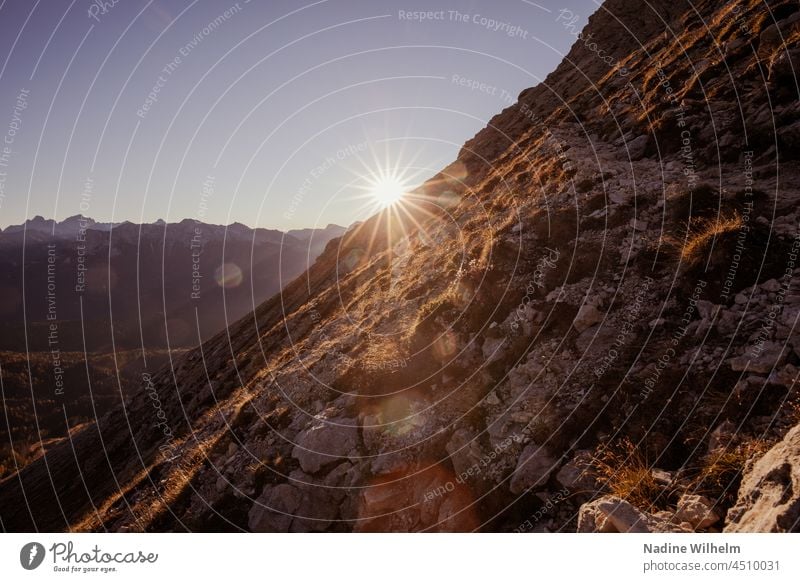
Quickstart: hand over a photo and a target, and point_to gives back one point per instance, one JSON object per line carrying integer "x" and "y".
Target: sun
{"x": 387, "y": 190}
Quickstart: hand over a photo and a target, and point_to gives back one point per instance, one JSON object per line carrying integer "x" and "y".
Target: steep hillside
{"x": 593, "y": 328}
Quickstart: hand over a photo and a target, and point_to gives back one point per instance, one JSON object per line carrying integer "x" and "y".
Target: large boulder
{"x": 769, "y": 497}
{"x": 326, "y": 442}
{"x": 612, "y": 514}
{"x": 762, "y": 359}
{"x": 587, "y": 316}
{"x": 697, "y": 510}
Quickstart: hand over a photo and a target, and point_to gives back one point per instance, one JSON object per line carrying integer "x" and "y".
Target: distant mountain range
{"x": 154, "y": 284}
{"x": 88, "y": 308}
{"x": 70, "y": 227}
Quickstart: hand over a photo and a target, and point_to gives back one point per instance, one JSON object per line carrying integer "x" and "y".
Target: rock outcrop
{"x": 769, "y": 497}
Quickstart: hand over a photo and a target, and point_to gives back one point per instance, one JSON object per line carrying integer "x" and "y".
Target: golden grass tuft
{"x": 704, "y": 232}
{"x": 721, "y": 470}
{"x": 623, "y": 471}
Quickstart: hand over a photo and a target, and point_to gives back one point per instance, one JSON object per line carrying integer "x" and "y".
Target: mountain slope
{"x": 601, "y": 299}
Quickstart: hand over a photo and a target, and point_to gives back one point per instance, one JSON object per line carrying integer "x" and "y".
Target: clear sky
{"x": 269, "y": 113}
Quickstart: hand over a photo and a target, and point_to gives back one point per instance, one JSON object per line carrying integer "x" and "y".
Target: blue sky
{"x": 267, "y": 113}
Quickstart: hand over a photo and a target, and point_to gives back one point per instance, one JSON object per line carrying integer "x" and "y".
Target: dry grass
{"x": 792, "y": 410}
{"x": 704, "y": 233}
{"x": 719, "y": 475}
{"x": 624, "y": 471}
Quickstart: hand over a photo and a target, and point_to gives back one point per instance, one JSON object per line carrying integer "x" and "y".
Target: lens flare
{"x": 229, "y": 275}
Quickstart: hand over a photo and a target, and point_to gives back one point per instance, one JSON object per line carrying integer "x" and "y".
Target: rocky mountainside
{"x": 593, "y": 328}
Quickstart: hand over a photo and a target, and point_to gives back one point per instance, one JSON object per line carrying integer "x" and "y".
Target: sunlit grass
{"x": 703, "y": 233}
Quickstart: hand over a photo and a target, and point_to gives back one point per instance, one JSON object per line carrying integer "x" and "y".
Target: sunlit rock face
{"x": 554, "y": 333}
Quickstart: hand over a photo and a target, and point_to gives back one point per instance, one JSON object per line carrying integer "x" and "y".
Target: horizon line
{"x": 157, "y": 221}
